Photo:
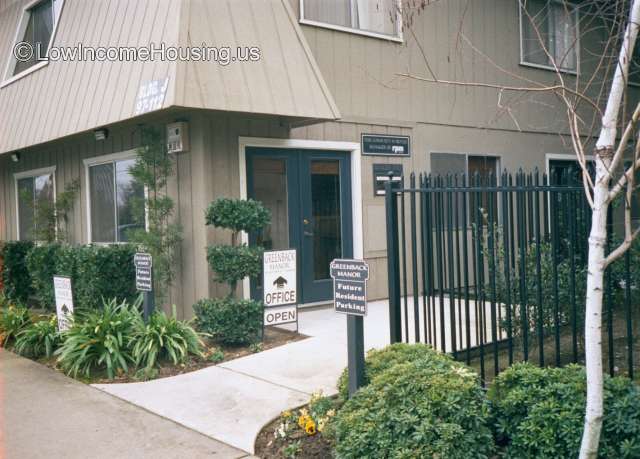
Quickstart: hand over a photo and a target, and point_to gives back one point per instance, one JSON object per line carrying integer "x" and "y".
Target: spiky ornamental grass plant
{"x": 13, "y": 320}
{"x": 39, "y": 339}
{"x": 100, "y": 339}
{"x": 165, "y": 338}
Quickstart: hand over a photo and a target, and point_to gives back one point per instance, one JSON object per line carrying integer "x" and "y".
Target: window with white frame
{"x": 116, "y": 201}
{"x": 549, "y": 34}
{"x": 35, "y": 194}
{"x": 371, "y": 17}
{"x": 34, "y": 35}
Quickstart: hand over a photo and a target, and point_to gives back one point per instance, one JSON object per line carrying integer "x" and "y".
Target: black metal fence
{"x": 493, "y": 270}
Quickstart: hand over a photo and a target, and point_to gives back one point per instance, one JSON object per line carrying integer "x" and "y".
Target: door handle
{"x": 305, "y": 221}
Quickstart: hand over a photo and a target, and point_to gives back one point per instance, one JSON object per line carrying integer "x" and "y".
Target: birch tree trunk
{"x": 605, "y": 147}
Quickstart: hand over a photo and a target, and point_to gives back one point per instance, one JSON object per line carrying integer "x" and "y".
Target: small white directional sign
{"x": 350, "y": 286}
{"x": 280, "y": 278}
{"x": 143, "y": 263}
{"x": 64, "y": 301}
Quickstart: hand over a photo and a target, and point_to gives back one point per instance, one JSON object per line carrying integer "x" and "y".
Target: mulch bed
{"x": 311, "y": 446}
{"x": 273, "y": 338}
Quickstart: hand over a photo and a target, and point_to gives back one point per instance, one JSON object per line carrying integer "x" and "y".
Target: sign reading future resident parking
{"x": 280, "y": 279}
{"x": 386, "y": 145}
{"x": 64, "y": 301}
{"x": 350, "y": 286}
{"x": 143, "y": 263}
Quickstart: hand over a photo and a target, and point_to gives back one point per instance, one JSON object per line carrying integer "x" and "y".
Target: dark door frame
{"x": 299, "y": 161}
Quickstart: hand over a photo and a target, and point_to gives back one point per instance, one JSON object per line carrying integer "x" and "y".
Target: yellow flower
{"x": 310, "y": 427}
{"x": 321, "y": 423}
{"x": 303, "y": 420}
{"x": 331, "y": 413}
{"x": 286, "y": 414}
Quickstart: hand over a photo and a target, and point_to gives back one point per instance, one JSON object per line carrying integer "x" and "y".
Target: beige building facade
{"x": 285, "y": 127}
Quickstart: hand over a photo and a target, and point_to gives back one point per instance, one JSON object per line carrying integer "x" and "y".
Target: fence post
{"x": 393, "y": 263}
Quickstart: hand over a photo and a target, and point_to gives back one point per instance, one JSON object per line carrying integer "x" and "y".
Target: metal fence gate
{"x": 493, "y": 270}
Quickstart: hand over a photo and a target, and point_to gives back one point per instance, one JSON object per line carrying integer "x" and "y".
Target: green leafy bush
{"x": 380, "y": 360}
{"x": 16, "y": 277}
{"x": 12, "y": 321}
{"x": 42, "y": 263}
{"x": 164, "y": 338}
{"x": 237, "y": 215}
{"x": 100, "y": 339}
{"x": 416, "y": 409}
{"x": 103, "y": 272}
{"x": 39, "y": 339}
{"x": 539, "y": 413}
{"x": 230, "y": 321}
{"x": 232, "y": 264}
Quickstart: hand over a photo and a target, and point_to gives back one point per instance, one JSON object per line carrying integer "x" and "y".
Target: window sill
{"x": 549, "y": 68}
{"x": 24, "y": 73}
{"x": 366, "y": 33}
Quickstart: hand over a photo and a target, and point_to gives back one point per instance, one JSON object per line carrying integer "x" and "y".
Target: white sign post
{"x": 64, "y": 301}
{"x": 280, "y": 285}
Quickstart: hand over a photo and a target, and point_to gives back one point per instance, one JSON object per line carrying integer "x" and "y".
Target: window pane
{"x": 270, "y": 188}
{"x": 102, "y": 197}
{"x": 43, "y": 196}
{"x": 376, "y": 16}
{"x": 325, "y": 205}
{"x": 535, "y": 31}
{"x": 564, "y": 36}
{"x": 25, "y": 208}
{"x": 38, "y": 33}
{"x": 484, "y": 169}
{"x": 130, "y": 201}
{"x": 336, "y": 12}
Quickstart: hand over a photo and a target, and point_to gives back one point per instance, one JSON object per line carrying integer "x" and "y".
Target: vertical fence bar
{"x": 629, "y": 317}
{"x": 429, "y": 230}
{"x": 540, "y": 306}
{"x": 465, "y": 260}
{"x": 441, "y": 263}
{"x": 403, "y": 236}
{"x": 414, "y": 262}
{"x": 393, "y": 265}
{"x": 554, "y": 269}
{"x": 507, "y": 263}
{"x": 522, "y": 241}
{"x": 423, "y": 252}
{"x": 491, "y": 193}
{"x": 450, "y": 262}
{"x": 480, "y": 319}
{"x": 456, "y": 228}
{"x": 571, "y": 237}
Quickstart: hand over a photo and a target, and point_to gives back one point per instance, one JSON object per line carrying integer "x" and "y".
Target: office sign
{"x": 385, "y": 145}
{"x": 280, "y": 278}
{"x": 144, "y": 279}
{"x": 64, "y": 301}
{"x": 280, "y": 315}
{"x": 350, "y": 286}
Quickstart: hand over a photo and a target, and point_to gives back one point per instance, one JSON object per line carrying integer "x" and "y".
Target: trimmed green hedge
{"x": 96, "y": 272}
{"x": 230, "y": 321}
{"x": 15, "y": 275}
{"x": 539, "y": 413}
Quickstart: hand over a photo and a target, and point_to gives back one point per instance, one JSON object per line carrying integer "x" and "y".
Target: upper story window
{"x": 116, "y": 201}
{"x": 33, "y": 37}
{"x": 549, "y": 34}
{"x": 378, "y": 18}
{"x": 35, "y": 192}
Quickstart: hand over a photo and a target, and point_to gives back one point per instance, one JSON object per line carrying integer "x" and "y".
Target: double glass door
{"x": 309, "y": 195}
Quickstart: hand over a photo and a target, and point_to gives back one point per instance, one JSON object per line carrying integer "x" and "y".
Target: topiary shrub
{"x": 234, "y": 262}
{"x": 230, "y": 321}
{"x": 416, "y": 409}
{"x": 41, "y": 264}
{"x": 539, "y": 413}
{"x": 16, "y": 278}
{"x": 237, "y": 215}
{"x": 380, "y": 360}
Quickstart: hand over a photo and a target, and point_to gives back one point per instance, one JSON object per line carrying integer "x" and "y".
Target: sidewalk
{"x": 44, "y": 414}
{"x": 231, "y": 402}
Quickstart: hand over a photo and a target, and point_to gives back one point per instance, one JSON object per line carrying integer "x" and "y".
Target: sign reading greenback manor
{"x": 350, "y": 286}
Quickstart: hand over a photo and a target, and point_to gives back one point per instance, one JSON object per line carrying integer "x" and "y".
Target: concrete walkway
{"x": 231, "y": 402}
{"x": 44, "y": 414}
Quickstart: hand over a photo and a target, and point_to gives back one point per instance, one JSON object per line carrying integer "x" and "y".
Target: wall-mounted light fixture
{"x": 15, "y": 157}
{"x": 101, "y": 134}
